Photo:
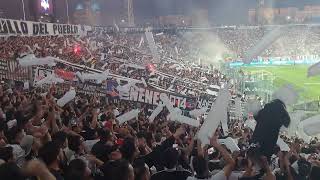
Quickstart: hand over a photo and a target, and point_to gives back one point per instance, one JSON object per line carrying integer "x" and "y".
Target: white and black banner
{"x": 9, "y": 27}
{"x": 152, "y": 97}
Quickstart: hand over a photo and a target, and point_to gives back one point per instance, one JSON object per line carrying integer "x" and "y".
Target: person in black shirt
{"x": 77, "y": 169}
{"x": 118, "y": 170}
{"x": 170, "y": 161}
{"x": 103, "y": 147}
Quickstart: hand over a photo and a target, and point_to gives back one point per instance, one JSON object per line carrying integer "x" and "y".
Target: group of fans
{"x": 84, "y": 139}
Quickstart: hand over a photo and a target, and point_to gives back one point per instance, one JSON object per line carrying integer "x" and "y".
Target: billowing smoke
{"x": 209, "y": 46}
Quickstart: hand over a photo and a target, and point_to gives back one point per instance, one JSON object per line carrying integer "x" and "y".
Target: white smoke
{"x": 210, "y": 47}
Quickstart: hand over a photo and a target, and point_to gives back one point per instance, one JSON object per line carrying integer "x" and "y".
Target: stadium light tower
{"x": 259, "y": 11}
{"x": 23, "y": 10}
{"x": 128, "y": 12}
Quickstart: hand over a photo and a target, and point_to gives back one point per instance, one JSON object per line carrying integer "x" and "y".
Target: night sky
{"x": 220, "y": 11}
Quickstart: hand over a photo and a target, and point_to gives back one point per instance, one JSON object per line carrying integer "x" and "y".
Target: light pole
{"x": 23, "y": 10}
{"x": 67, "y": 5}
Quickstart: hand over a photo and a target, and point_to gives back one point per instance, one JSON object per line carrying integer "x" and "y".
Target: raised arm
{"x": 230, "y": 163}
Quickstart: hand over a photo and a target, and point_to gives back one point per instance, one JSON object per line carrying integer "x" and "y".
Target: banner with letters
{"x": 110, "y": 87}
{"x": 9, "y": 27}
{"x": 152, "y": 97}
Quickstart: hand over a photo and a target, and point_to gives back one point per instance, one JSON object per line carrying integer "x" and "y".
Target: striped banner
{"x": 12, "y": 71}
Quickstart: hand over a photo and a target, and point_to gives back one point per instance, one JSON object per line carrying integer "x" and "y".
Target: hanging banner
{"x": 40, "y": 73}
{"x": 9, "y": 27}
{"x": 66, "y": 75}
{"x": 152, "y": 97}
{"x": 110, "y": 87}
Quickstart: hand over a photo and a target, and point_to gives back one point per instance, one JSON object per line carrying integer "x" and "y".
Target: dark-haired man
{"x": 49, "y": 153}
{"x": 170, "y": 162}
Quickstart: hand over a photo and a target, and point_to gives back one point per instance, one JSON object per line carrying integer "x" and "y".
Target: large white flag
{"x": 217, "y": 114}
{"x": 152, "y": 45}
{"x": 141, "y": 41}
{"x": 311, "y": 126}
{"x": 31, "y": 60}
{"x": 128, "y": 116}
{"x": 286, "y": 94}
{"x": 314, "y": 70}
{"x": 69, "y": 96}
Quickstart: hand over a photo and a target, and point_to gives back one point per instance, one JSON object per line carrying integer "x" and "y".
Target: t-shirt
{"x": 171, "y": 175}
{"x": 18, "y": 153}
{"x": 235, "y": 175}
{"x": 194, "y": 178}
{"x": 57, "y": 174}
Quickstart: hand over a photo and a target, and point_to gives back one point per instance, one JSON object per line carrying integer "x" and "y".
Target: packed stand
{"x": 84, "y": 140}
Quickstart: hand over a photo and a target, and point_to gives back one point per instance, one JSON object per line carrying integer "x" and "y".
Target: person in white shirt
{"x": 227, "y": 172}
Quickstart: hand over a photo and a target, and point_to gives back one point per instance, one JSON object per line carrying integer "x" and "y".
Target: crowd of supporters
{"x": 84, "y": 139}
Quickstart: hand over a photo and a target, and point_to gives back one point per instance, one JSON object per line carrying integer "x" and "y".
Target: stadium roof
{"x": 290, "y": 3}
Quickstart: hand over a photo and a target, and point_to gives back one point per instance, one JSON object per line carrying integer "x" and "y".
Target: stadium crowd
{"x": 84, "y": 139}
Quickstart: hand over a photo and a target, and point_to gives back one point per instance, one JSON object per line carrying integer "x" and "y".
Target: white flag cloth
{"x": 183, "y": 119}
{"x": 253, "y": 106}
{"x": 79, "y": 76}
{"x": 104, "y": 56}
{"x": 311, "y": 126}
{"x": 250, "y": 123}
{"x": 50, "y": 79}
{"x": 124, "y": 91}
{"x": 198, "y": 112}
{"x": 283, "y": 145}
{"x": 238, "y": 107}
{"x": 286, "y": 94}
{"x": 89, "y": 144}
{"x": 215, "y": 116}
{"x": 268, "y": 39}
{"x": 69, "y": 96}
{"x": 176, "y": 49}
{"x": 116, "y": 26}
{"x": 152, "y": 45}
{"x": 99, "y": 77}
{"x": 128, "y": 116}
{"x": 230, "y": 144}
{"x": 301, "y": 134}
{"x": 141, "y": 42}
{"x": 26, "y": 85}
{"x": 11, "y": 123}
{"x": 296, "y": 118}
{"x": 314, "y": 70}
{"x": 176, "y": 113}
{"x": 31, "y": 60}
{"x": 165, "y": 99}
{"x": 156, "y": 112}
{"x": 224, "y": 125}
{"x": 144, "y": 82}
{"x": 159, "y": 34}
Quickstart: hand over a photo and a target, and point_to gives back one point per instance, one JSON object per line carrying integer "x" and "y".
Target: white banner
{"x": 152, "y": 45}
{"x": 151, "y": 97}
{"x": 41, "y": 73}
{"x": 9, "y": 27}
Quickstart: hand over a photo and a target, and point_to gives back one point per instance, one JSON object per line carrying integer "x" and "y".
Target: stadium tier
{"x": 95, "y": 103}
